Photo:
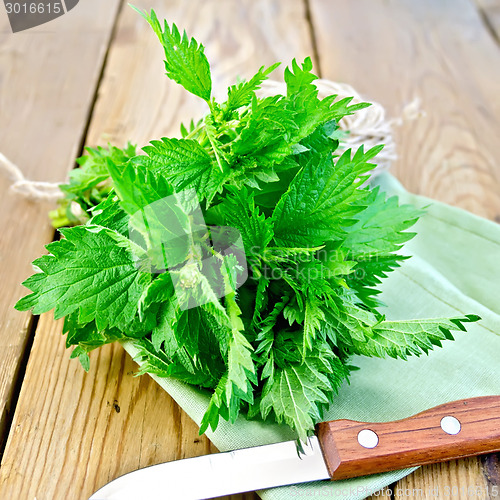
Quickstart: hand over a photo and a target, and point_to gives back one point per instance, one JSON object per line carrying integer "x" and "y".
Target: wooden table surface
{"x": 96, "y": 75}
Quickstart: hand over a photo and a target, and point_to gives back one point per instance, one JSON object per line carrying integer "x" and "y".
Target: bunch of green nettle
{"x": 242, "y": 258}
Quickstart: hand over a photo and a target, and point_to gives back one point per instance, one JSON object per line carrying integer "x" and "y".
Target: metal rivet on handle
{"x": 367, "y": 438}
{"x": 450, "y": 425}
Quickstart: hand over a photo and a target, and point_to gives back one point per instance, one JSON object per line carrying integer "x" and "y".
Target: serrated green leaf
{"x": 184, "y": 164}
{"x": 265, "y": 136}
{"x": 239, "y": 210}
{"x": 313, "y": 319}
{"x": 87, "y": 272}
{"x": 400, "y": 339}
{"x": 83, "y": 357}
{"x": 185, "y": 61}
{"x": 321, "y": 199}
{"x": 111, "y": 215}
{"x": 295, "y": 396}
{"x": 242, "y": 93}
{"x": 87, "y": 335}
{"x": 138, "y": 188}
{"x": 94, "y": 167}
{"x": 381, "y": 228}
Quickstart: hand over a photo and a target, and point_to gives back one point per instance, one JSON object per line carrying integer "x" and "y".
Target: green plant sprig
{"x": 318, "y": 240}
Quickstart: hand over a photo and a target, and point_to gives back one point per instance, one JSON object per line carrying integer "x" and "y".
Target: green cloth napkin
{"x": 453, "y": 271}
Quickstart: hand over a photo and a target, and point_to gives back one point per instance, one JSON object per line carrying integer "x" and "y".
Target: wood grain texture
{"x": 490, "y": 12}
{"x": 68, "y": 437}
{"x": 74, "y": 432}
{"x": 48, "y": 77}
{"x": 442, "y": 53}
{"x": 412, "y": 441}
{"x": 383, "y": 494}
{"x": 456, "y": 479}
{"x": 138, "y": 102}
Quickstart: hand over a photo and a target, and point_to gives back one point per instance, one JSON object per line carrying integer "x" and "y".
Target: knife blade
{"x": 341, "y": 449}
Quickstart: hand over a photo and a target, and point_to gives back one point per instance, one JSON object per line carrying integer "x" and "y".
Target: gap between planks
{"x": 18, "y": 382}
{"x": 116, "y": 134}
{"x": 68, "y": 437}
{"x": 33, "y": 322}
{"x": 41, "y": 127}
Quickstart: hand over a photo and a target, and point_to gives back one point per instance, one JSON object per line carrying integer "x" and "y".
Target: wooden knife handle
{"x": 446, "y": 432}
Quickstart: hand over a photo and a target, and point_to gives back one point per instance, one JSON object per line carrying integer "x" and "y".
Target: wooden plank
{"x": 239, "y": 38}
{"x": 48, "y": 77}
{"x": 74, "y": 432}
{"x": 383, "y": 494}
{"x": 455, "y": 479}
{"x": 67, "y": 437}
{"x": 441, "y": 53}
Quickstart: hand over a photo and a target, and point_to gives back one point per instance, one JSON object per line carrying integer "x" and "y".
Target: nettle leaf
{"x": 239, "y": 210}
{"x": 159, "y": 262}
{"x": 87, "y": 336}
{"x": 368, "y": 273}
{"x": 242, "y": 93}
{"x": 178, "y": 366}
{"x": 261, "y": 297}
{"x": 310, "y": 111}
{"x": 381, "y": 227}
{"x": 321, "y": 199}
{"x": 164, "y": 334}
{"x": 184, "y": 164}
{"x": 346, "y": 320}
{"x": 87, "y": 272}
{"x": 165, "y": 219}
{"x": 299, "y": 81}
{"x": 138, "y": 188}
{"x": 241, "y": 369}
{"x": 400, "y": 339}
{"x": 83, "y": 356}
{"x": 313, "y": 319}
{"x": 218, "y": 407}
{"x": 379, "y": 231}
{"x": 159, "y": 290}
{"x": 185, "y": 62}
{"x": 295, "y": 395}
{"x": 111, "y": 215}
{"x": 94, "y": 167}
{"x": 236, "y": 384}
{"x": 265, "y": 135}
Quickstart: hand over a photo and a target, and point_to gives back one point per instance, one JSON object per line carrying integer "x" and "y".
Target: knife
{"x": 340, "y": 449}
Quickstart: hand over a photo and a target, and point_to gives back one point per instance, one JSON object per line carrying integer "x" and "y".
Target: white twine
{"x": 36, "y": 190}
{"x": 368, "y": 127}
